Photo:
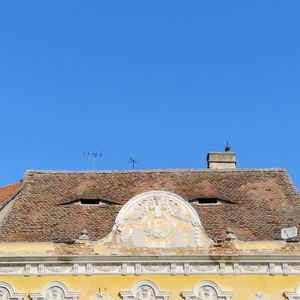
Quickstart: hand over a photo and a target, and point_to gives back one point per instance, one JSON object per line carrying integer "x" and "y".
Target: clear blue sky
{"x": 162, "y": 81}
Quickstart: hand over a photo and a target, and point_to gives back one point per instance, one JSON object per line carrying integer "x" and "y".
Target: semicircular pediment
{"x": 158, "y": 219}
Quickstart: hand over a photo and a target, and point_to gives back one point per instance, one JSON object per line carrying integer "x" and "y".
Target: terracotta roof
{"x": 8, "y": 190}
{"x": 255, "y": 203}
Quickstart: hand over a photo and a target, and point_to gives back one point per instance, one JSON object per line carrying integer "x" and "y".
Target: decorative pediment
{"x": 206, "y": 290}
{"x": 293, "y": 295}
{"x": 54, "y": 290}
{"x": 8, "y": 293}
{"x": 144, "y": 290}
{"x": 157, "y": 219}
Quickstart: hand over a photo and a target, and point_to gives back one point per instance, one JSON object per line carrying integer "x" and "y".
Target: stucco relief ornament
{"x": 54, "y": 290}
{"x": 144, "y": 292}
{"x": 259, "y": 296}
{"x": 206, "y": 290}
{"x": 4, "y": 294}
{"x": 207, "y": 293}
{"x": 55, "y": 293}
{"x": 159, "y": 219}
{"x": 101, "y": 296}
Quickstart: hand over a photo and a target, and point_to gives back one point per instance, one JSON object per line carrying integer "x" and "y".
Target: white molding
{"x": 293, "y": 295}
{"x": 211, "y": 286}
{"x": 155, "y": 267}
{"x": 12, "y": 294}
{"x": 149, "y": 286}
{"x": 54, "y": 284}
{"x": 139, "y": 265}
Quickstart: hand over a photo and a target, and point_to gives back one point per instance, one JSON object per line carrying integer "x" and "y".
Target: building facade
{"x": 220, "y": 233}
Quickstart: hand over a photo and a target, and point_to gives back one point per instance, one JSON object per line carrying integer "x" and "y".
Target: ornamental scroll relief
{"x": 158, "y": 220}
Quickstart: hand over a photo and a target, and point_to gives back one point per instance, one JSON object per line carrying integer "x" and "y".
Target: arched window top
{"x": 293, "y": 295}
{"x": 54, "y": 290}
{"x": 144, "y": 289}
{"x": 206, "y": 290}
{"x": 7, "y": 292}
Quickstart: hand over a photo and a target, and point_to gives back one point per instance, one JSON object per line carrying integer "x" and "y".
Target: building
{"x": 197, "y": 234}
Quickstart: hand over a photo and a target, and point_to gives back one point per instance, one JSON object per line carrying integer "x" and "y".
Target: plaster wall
{"x": 242, "y": 286}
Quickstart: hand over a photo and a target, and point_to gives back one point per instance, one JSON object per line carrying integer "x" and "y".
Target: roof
{"x": 8, "y": 190}
{"x": 255, "y": 203}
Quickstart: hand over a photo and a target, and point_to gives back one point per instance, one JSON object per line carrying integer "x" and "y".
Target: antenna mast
{"x": 94, "y": 156}
{"x": 133, "y": 162}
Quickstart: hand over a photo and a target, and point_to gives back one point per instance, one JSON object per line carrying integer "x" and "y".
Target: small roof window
{"x": 91, "y": 202}
{"x": 85, "y": 201}
{"x": 209, "y": 201}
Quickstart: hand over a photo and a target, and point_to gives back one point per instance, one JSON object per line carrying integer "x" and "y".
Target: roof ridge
{"x": 9, "y": 185}
{"x": 31, "y": 171}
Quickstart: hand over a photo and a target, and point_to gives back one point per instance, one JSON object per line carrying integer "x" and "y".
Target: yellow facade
{"x": 241, "y": 285}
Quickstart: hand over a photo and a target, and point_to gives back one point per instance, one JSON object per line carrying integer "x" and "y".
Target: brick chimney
{"x": 221, "y": 160}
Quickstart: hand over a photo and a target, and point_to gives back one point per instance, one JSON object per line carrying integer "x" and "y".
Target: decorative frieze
{"x": 187, "y": 269}
{"x": 89, "y": 269}
{"x": 124, "y": 269}
{"x": 205, "y": 268}
{"x": 106, "y": 268}
{"x": 173, "y": 269}
{"x": 150, "y": 267}
{"x": 27, "y": 270}
{"x": 40, "y": 269}
{"x": 57, "y": 269}
{"x": 75, "y": 268}
{"x": 285, "y": 269}
{"x": 222, "y": 268}
{"x": 155, "y": 268}
{"x": 138, "y": 269}
{"x": 254, "y": 268}
{"x": 9, "y": 269}
{"x": 272, "y": 269}
{"x": 236, "y": 268}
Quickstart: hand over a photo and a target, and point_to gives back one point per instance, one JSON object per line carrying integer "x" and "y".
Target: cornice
{"x": 138, "y": 265}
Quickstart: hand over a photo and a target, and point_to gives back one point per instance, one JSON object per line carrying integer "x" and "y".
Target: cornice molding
{"x": 138, "y": 265}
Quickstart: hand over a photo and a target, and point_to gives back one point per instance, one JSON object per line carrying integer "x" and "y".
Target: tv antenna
{"x": 289, "y": 233}
{"x": 94, "y": 156}
{"x": 133, "y": 162}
